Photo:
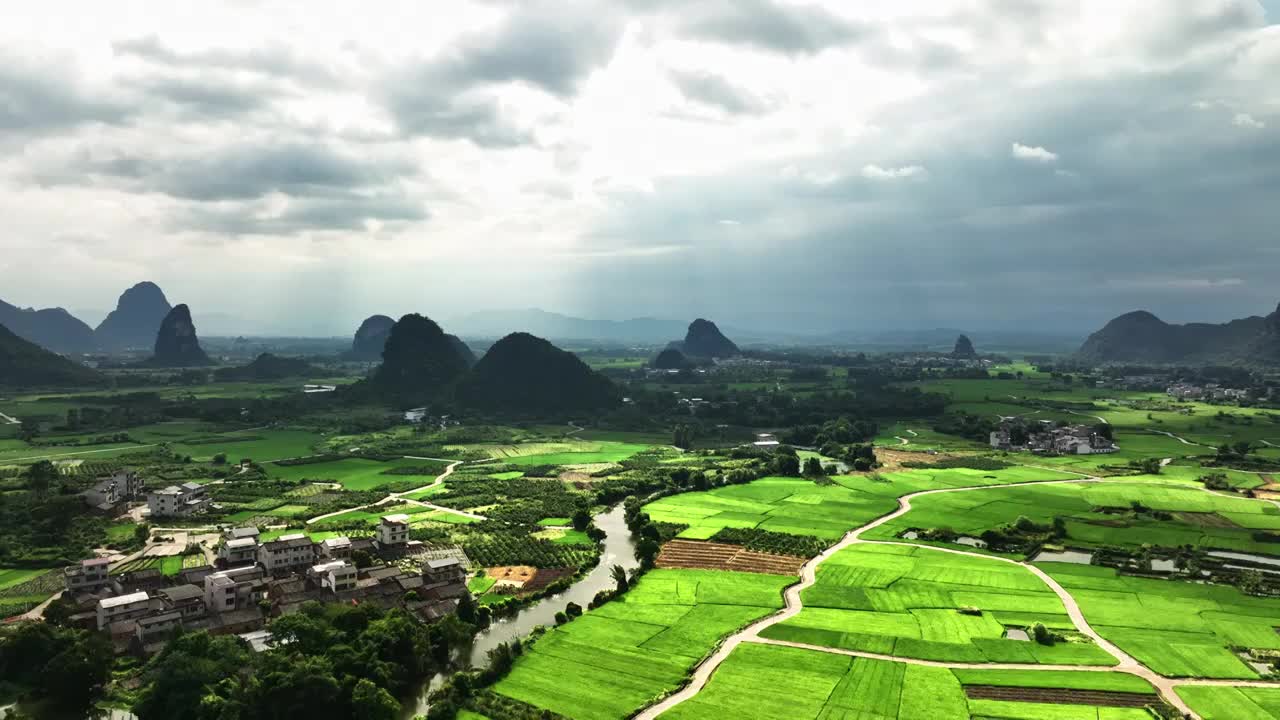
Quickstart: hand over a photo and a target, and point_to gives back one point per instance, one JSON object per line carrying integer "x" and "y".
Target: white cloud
{"x": 1245, "y": 120}
{"x": 875, "y": 172}
{"x": 1033, "y": 153}
{"x": 505, "y": 139}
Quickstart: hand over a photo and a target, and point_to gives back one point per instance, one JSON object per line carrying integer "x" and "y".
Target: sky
{"x": 292, "y": 167}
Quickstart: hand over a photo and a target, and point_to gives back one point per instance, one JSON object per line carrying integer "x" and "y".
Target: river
{"x": 618, "y": 550}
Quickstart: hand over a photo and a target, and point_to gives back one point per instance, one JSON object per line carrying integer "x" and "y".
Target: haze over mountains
{"x": 1140, "y": 336}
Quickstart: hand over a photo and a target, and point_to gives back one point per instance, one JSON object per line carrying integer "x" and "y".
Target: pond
{"x": 1064, "y": 556}
{"x": 618, "y": 550}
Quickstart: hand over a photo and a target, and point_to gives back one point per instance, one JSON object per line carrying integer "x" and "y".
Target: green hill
{"x": 25, "y": 364}
{"x": 526, "y": 374}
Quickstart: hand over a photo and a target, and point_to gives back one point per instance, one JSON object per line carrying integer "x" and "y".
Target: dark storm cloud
{"x": 244, "y": 171}
{"x": 420, "y": 109}
{"x": 770, "y": 25}
{"x": 552, "y": 48}
{"x": 48, "y": 97}
{"x": 1152, "y": 203}
{"x": 714, "y": 90}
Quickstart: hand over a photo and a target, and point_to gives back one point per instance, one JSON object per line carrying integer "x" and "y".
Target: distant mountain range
{"x": 1140, "y": 336}
{"x": 135, "y": 321}
{"x": 51, "y": 328}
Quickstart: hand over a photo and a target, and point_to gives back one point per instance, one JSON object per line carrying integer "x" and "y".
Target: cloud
{"x": 1033, "y": 153}
{"x": 716, "y": 91}
{"x": 452, "y": 95}
{"x": 278, "y": 61}
{"x": 48, "y": 96}
{"x": 875, "y": 172}
{"x": 553, "y": 49}
{"x": 1245, "y": 120}
{"x": 769, "y": 25}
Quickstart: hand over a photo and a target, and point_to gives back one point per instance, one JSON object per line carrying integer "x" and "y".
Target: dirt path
{"x": 1180, "y": 439}
{"x": 808, "y": 577}
{"x": 82, "y": 452}
{"x": 400, "y": 496}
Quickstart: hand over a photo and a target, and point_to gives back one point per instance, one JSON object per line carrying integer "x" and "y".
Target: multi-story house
{"x": 87, "y": 576}
{"x": 178, "y": 500}
{"x": 288, "y": 552}
{"x": 110, "y": 490}
{"x": 393, "y": 530}
{"x": 122, "y": 607}
{"x": 234, "y": 589}
{"x": 334, "y": 576}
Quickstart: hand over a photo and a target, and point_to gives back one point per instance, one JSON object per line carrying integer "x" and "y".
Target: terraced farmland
{"x": 719, "y": 556}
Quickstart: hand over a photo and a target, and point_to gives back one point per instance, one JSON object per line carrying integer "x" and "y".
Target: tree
{"x": 180, "y": 673}
{"x": 581, "y": 519}
{"x": 1041, "y": 634}
{"x": 813, "y": 467}
{"x": 619, "y": 575}
{"x": 573, "y": 610}
{"x": 41, "y": 476}
{"x": 647, "y": 552}
{"x": 467, "y": 608}
{"x": 220, "y": 459}
{"x": 786, "y": 464}
{"x": 370, "y": 702}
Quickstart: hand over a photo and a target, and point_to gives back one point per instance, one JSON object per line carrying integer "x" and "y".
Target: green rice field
{"x": 906, "y": 601}
{"x": 625, "y": 653}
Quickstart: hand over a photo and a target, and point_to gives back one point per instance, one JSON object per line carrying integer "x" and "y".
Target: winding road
{"x": 808, "y": 576}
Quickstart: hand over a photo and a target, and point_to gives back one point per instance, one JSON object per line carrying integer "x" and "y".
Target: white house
{"x": 233, "y": 589}
{"x": 335, "y": 576}
{"x": 335, "y": 548}
{"x": 178, "y": 500}
{"x": 239, "y": 551}
{"x": 393, "y": 530}
{"x": 122, "y": 607}
{"x": 287, "y": 552}
{"x": 88, "y": 575}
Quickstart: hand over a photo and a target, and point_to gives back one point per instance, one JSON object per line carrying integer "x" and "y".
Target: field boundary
{"x": 808, "y": 577}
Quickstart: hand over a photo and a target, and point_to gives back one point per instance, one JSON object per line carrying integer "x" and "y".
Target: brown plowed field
{"x": 697, "y": 554}
{"x": 1060, "y": 696}
{"x": 544, "y": 577}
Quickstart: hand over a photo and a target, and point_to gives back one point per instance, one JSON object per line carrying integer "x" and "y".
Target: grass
{"x": 904, "y": 601}
{"x": 770, "y": 682}
{"x": 633, "y": 649}
{"x": 1231, "y": 703}
{"x": 261, "y": 446}
{"x": 1177, "y": 629}
{"x": 354, "y": 473}
{"x": 972, "y": 513}
{"x": 9, "y": 577}
{"x": 568, "y": 452}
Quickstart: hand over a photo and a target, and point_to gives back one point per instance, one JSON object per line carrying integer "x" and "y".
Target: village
{"x": 252, "y": 579}
{"x": 1049, "y": 438}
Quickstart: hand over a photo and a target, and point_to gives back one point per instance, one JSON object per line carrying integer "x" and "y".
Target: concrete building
{"x": 288, "y": 552}
{"x": 336, "y": 548}
{"x": 334, "y": 576}
{"x": 240, "y": 551}
{"x": 122, "y": 607}
{"x": 186, "y": 600}
{"x": 108, "y": 491}
{"x": 393, "y": 530}
{"x": 88, "y": 576}
{"x": 157, "y": 627}
{"x": 178, "y": 500}
{"x": 234, "y": 589}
